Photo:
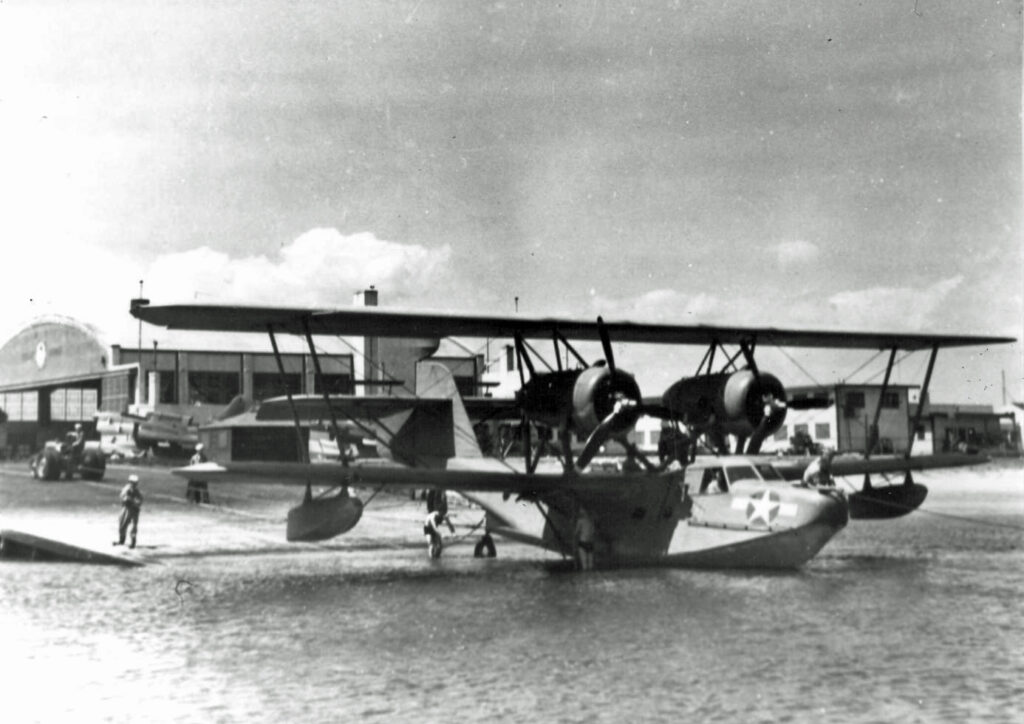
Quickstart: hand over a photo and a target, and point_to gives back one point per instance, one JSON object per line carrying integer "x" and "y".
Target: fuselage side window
{"x": 713, "y": 481}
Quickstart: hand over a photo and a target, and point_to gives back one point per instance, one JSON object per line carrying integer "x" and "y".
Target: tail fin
{"x": 435, "y": 381}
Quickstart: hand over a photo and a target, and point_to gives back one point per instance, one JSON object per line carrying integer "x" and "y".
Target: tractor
{"x": 63, "y": 458}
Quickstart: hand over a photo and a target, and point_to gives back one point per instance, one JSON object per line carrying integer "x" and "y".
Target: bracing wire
{"x": 798, "y": 365}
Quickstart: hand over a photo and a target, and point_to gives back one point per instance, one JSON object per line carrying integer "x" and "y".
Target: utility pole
{"x": 140, "y": 326}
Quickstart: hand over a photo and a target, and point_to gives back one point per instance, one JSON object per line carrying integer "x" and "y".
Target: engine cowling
{"x": 736, "y": 402}
{"x": 597, "y": 392}
{"x": 586, "y": 397}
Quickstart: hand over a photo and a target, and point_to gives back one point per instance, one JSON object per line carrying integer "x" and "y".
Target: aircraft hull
{"x": 752, "y": 527}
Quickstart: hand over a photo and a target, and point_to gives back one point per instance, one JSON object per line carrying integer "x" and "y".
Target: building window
{"x": 335, "y": 384}
{"x": 89, "y": 398}
{"x": 168, "y": 392}
{"x": 465, "y": 385}
{"x": 266, "y": 385}
{"x": 214, "y": 388}
{"x": 117, "y": 393}
{"x": 59, "y": 403}
{"x": 11, "y": 405}
{"x": 781, "y": 434}
{"x": 30, "y": 406}
{"x": 822, "y": 431}
{"x": 891, "y": 400}
{"x": 801, "y": 429}
{"x": 854, "y": 400}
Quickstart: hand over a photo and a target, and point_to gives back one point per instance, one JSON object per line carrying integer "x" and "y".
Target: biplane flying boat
{"x": 678, "y": 514}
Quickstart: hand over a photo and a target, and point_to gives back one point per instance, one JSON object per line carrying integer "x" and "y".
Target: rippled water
{"x": 911, "y": 620}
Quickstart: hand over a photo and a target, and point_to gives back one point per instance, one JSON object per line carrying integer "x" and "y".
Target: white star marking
{"x": 765, "y": 507}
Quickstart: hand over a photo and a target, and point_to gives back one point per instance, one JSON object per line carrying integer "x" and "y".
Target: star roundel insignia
{"x": 763, "y": 506}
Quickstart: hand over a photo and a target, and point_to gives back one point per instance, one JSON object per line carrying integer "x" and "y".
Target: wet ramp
{"x": 18, "y": 545}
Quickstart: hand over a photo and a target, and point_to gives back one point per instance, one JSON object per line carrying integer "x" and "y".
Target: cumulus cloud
{"x": 660, "y": 305}
{"x": 791, "y": 253}
{"x": 895, "y": 308}
{"x": 322, "y": 267}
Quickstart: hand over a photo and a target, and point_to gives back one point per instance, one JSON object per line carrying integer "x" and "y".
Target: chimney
{"x": 368, "y": 366}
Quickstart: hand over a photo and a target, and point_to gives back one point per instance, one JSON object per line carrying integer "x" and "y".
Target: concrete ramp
{"x": 16, "y": 545}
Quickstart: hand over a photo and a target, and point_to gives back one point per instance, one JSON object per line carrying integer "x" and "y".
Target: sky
{"x": 794, "y": 164}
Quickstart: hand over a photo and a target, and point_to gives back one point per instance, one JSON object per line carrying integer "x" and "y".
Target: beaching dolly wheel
{"x": 485, "y": 547}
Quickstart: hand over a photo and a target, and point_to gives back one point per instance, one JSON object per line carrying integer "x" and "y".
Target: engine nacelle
{"x": 586, "y": 397}
{"x": 735, "y": 402}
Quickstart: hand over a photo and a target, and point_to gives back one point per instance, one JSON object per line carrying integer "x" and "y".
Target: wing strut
{"x": 923, "y": 400}
{"x": 302, "y": 449}
{"x": 748, "y": 354}
{"x": 873, "y": 432}
{"x": 568, "y": 346}
{"x": 323, "y": 390}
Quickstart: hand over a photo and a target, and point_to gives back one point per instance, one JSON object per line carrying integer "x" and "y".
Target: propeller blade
{"x": 603, "y": 432}
{"x": 637, "y": 454}
{"x": 606, "y": 344}
{"x": 776, "y": 408}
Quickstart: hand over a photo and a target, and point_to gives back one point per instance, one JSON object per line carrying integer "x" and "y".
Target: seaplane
{"x": 733, "y": 511}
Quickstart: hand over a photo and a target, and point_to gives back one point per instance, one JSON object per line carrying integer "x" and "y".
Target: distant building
{"x": 967, "y": 428}
{"x": 58, "y": 371}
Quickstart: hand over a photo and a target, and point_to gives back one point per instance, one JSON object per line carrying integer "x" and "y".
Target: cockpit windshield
{"x": 741, "y": 472}
{"x": 768, "y": 472}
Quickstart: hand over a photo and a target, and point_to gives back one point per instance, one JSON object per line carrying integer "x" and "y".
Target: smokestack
{"x": 369, "y": 365}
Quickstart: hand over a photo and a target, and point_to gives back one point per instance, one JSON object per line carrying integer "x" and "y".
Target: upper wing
{"x": 392, "y": 323}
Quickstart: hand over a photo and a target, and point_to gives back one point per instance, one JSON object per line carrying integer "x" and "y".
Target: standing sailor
{"x": 583, "y": 538}
{"x": 131, "y": 504}
{"x": 198, "y": 491}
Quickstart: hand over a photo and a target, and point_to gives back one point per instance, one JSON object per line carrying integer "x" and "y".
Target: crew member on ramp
{"x": 198, "y": 491}
{"x": 131, "y": 504}
{"x": 432, "y": 530}
{"x": 819, "y": 472}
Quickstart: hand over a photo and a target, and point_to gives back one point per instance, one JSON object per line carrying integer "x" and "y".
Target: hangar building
{"x": 58, "y": 371}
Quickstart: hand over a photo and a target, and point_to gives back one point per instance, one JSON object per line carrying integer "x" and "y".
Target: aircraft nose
{"x": 835, "y": 509}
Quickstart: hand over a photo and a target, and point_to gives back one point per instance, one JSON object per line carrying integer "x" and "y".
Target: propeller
{"x": 624, "y": 409}
{"x": 772, "y": 417}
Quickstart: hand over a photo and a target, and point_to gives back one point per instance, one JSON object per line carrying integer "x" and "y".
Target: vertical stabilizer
{"x": 434, "y": 381}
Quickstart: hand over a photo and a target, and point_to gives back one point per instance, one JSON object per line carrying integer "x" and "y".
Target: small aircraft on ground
{"x": 736, "y": 512}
